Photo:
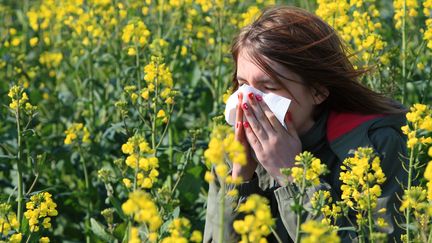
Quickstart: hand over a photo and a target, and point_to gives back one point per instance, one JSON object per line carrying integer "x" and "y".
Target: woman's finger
{"x": 239, "y": 131}
{"x": 253, "y": 122}
{"x": 289, "y": 124}
{"x": 251, "y": 137}
{"x": 270, "y": 116}
{"x": 255, "y": 101}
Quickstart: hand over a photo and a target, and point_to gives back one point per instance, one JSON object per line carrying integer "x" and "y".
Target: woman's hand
{"x": 274, "y": 146}
{"x": 246, "y": 171}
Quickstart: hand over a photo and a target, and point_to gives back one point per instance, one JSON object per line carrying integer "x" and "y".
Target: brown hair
{"x": 308, "y": 46}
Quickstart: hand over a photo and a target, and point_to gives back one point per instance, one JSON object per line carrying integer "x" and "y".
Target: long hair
{"x": 305, "y": 44}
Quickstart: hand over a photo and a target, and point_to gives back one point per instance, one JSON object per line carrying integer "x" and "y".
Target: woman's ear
{"x": 320, "y": 94}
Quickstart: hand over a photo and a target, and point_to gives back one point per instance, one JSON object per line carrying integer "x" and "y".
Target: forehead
{"x": 247, "y": 68}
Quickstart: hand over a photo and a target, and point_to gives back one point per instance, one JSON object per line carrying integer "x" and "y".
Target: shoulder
{"x": 348, "y": 131}
{"x": 342, "y": 123}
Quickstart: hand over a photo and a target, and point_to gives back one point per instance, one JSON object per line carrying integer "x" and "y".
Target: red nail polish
{"x": 251, "y": 96}
{"x": 289, "y": 116}
{"x": 246, "y": 124}
{"x": 245, "y": 106}
{"x": 258, "y": 97}
{"x": 238, "y": 95}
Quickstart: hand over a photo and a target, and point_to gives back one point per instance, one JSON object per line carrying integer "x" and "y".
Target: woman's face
{"x": 302, "y": 100}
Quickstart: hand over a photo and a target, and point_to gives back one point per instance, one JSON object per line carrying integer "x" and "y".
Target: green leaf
{"x": 190, "y": 185}
{"x": 120, "y": 230}
{"x": 116, "y": 203}
{"x": 99, "y": 230}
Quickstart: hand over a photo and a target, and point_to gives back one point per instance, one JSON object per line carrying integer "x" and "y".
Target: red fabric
{"x": 339, "y": 124}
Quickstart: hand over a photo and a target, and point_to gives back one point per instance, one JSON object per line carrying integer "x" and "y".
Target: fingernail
{"x": 258, "y": 97}
{"x": 245, "y": 106}
{"x": 251, "y": 95}
{"x": 246, "y": 124}
{"x": 238, "y": 95}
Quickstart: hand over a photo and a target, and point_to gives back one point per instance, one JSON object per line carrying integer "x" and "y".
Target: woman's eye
{"x": 268, "y": 88}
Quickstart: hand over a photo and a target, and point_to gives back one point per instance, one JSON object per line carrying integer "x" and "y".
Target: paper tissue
{"x": 277, "y": 104}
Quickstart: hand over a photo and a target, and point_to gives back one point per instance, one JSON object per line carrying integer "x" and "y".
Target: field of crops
{"x": 107, "y": 109}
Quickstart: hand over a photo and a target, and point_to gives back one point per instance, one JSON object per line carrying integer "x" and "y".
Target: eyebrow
{"x": 261, "y": 80}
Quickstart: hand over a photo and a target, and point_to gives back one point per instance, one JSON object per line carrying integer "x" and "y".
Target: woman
{"x": 295, "y": 54}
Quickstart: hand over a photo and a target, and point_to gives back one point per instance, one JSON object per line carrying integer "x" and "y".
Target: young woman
{"x": 295, "y": 54}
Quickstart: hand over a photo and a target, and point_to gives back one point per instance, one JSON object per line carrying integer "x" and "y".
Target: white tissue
{"x": 277, "y": 104}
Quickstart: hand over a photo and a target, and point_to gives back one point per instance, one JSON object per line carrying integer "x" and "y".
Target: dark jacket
{"x": 331, "y": 139}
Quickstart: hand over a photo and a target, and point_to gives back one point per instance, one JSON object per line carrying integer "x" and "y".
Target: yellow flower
{"x": 169, "y": 101}
{"x": 19, "y": 100}
{"x": 196, "y": 236}
{"x": 134, "y": 235}
{"x": 208, "y": 177}
{"x": 127, "y": 182}
{"x": 358, "y": 24}
{"x": 179, "y": 231}
{"x": 361, "y": 178}
{"x": 321, "y": 202}
{"x": 152, "y": 237}
{"x": 414, "y": 198}
{"x": 8, "y": 219}
{"x": 33, "y": 41}
{"x": 161, "y": 114}
{"x": 77, "y": 131}
{"x": 315, "y": 232}
{"x": 137, "y": 148}
{"x": 223, "y": 148}
{"x": 145, "y": 94}
{"x": 258, "y": 220}
{"x": 183, "y": 51}
{"x": 134, "y": 97}
{"x": 157, "y": 70}
{"x": 41, "y": 207}
{"x": 314, "y": 168}
{"x": 143, "y": 209}
{"x": 136, "y": 32}
{"x": 232, "y": 193}
{"x": 44, "y": 240}
{"x": 249, "y": 16}
{"x": 16, "y": 238}
{"x": 131, "y": 51}
{"x": 51, "y": 59}
{"x": 127, "y": 148}
{"x": 15, "y": 41}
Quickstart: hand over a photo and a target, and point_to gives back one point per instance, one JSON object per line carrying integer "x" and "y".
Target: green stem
{"x": 370, "y": 216}
{"x": 222, "y": 212}
{"x": 302, "y": 192}
{"x": 136, "y": 174}
{"x": 429, "y": 240}
{"x": 408, "y": 210}
{"x": 138, "y": 69}
{"x": 20, "y": 197}
{"x": 276, "y": 235}
{"x": 91, "y": 80}
{"x": 128, "y": 228}
{"x": 28, "y": 238}
{"x": 219, "y": 36}
{"x": 404, "y": 91}
{"x": 188, "y": 156}
{"x": 87, "y": 187}
{"x": 155, "y": 110}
